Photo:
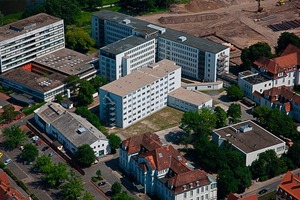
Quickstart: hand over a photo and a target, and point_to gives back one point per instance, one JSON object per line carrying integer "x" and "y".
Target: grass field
{"x": 161, "y": 120}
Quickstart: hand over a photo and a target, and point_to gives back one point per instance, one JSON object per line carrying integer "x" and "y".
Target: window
{"x": 191, "y": 192}
{"x": 184, "y": 195}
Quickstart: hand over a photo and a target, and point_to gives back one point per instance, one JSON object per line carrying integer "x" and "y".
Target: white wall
{"x": 101, "y": 147}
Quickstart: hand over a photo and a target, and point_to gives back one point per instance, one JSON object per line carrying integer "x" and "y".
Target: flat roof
{"x": 33, "y": 80}
{"x": 123, "y": 45}
{"x": 22, "y": 26}
{"x": 140, "y": 78}
{"x": 67, "y": 61}
{"x": 253, "y": 140}
{"x": 143, "y": 27}
{"x": 75, "y": 128}
{"x": 255, "y": 79}
{"x": 193, "y": 97}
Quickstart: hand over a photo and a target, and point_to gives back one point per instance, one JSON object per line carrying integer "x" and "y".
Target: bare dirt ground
{"x": 234, "y": 21}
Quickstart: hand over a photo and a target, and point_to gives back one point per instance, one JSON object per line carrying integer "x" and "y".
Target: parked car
{"x": 51, "y": 154}
{"x": 21, "y": 148}
{"x": 1, "y": 154}
{"x": 35, "y": 138}
{"x": 38, "y": 143}
{"x": 263, "y": 191}
{"x": 7, "y": 161}
{"x": 102, "y": 183}
{"x": 45, "y": 148}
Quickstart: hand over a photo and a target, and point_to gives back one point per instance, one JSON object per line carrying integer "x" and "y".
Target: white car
{"x": 7, "y": 161}
{"x": 35, "y": 138}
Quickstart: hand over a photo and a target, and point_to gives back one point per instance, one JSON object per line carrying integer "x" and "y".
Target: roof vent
{"x": 246, "y": 128}
{"x": 182, "y": 38}
{"x": 126, "y": 21}
{"x": 160, "y": 155}
{"x": 81, "y": 130}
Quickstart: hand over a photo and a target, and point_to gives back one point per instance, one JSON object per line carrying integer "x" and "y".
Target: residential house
{"x": 288, "y": 187}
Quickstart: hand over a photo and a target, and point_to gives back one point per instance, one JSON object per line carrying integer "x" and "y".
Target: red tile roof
{"x": 290, "y": 49}
{"x": 7, "y": 192}
{"x": 290, "y": 184}
{"x": 284, "y": 93}
{"x": 231, "y": 196}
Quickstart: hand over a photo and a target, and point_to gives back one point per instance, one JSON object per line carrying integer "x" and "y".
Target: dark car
{"x": 263, "y": 191}
{"x": 45, "y": 148}
{"x": 102, "y": 183}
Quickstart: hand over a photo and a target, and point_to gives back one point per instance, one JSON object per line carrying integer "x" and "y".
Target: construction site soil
{"x": 230, "y": 21}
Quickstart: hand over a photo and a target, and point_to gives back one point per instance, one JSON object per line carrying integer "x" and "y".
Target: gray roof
{"x": 124, "y": 44}
{"x": 193, "y": 97}
{"x": 255, "y": 79}
{"x": 202, "y": 44}
{"x": 22, "y": 26}
{"x": 140, "y": 78}
{"x": 250, "y": 141}
{"x": 143, "y": 28}
{"x": 75, "y": 128}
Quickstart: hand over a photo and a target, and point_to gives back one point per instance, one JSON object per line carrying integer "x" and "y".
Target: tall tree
{"x": 234, "y": 113}
{"x": 122, "y": 196}
{"x": 116, "y": 188}
{"x": 56, "y": 174}
{"x": 29, "y": 153}
{"x": 8, "y": 112}
{"x": 13, "y": 136}
{"x": 85, "y": 155}
{"x": 73, "y": 188}
{"x": 72, "y": 81}
{"x": 85, "y": 95}
{"x": 234, "y": 92}
{"x": 293, "y": 154}
{"x": 88, "y": 196}
{"x": 114, "y": 142}
{"x": 78, "y": 40}
{"x": 221, "y": 117}
{"x": 1, "y": 18}
{"x": 44, "y": 163}
{"x": 97, "y": 82}
{"x": 284, "y": 40}
{"x": 261, "y": 113}
{"x": 201, "y": 122}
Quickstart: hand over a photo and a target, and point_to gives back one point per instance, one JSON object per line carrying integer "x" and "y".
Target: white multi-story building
{"x": 249, "y": 139}
{"x": 163, "y": 171}
{"x": 199, "y": 58}
{"x": 126, "y": 55}
{"x": 29, "y": 38}
{"x": 187, "y": 100}
{"x": 139, "y": 94}
{"x": 70, "y": 129}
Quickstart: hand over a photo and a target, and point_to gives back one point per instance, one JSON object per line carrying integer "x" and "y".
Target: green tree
{"x": 255, "y": 52}
{"x": 58, "y": 98}
{"x": 234, "y": 113}
{"x": 85, "y": 95}
{"x": 99, "y": 173}
{"x": 221, "y": 117}
{"x": 114, "y": 142}
{"x": 8, "y": 112}
{"x": 44, "y": 163}
{"x": 234, "y": 92}
{"x": 284, "y": 40}
{"x": 56, "y": 174}
{"x": 78, "y": 40}
{"x": 293, "y": 153}
{"x": 85, "y": 155}
{"x": 72, "y": 81}
{"x": 116, "y": 188}
{"x": 1, "y": 18}
{"x": 122, "y": 196}
{"x": 88, "y": 196}
{"x": 13, "y": 136}
{"x": 261, "y": 113}
{"x": 73, "y": 188}
{"x": 201, "y": 122}
{"x": 29, "y": 153}
{"x": 97, "y": 82}
{"x": 226, "y": 183}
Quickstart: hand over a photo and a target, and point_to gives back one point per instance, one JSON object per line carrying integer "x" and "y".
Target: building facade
{"x": 139, "y": 94}
{"x": 29, "y": 38}
{"x": 70, "y": 129}
{"x": 249, "y": 139}
{"x": 199, "y": 58}
{"x": 126, "y": 55}
{"x": 163, "y": 171}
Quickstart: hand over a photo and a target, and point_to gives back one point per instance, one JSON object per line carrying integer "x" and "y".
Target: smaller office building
{"x": 70, "y": 129}
{"x": 249, "y": 139}
{"x": 187, "y": 100}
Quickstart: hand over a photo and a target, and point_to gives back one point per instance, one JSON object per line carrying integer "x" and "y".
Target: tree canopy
{"x": 87, "y": 196}
{"x": 221, "y": 117}
{"x": 114, "y": 142}
{"x": 56, "y": 174}
{"x": 78, "y": 40}
{"x": 234, "y": 92}
{"x": 234, "y": 113}
{"x": 8, "y": 112}
{"x": 254, "y": 52}
{"x": 97, "y": 82}
{"x": 29, "y": 153}
{"x": 284, "y": 40}
{"x": 85, "y": 155}
{"x": 116, "y": 188}
{"x": 200, "y": 122}
{"x": 85, "y": 95}
{"x": 73, "y": 188}
{"x": 13, "y": 136}
{"x": 293, "y": 154}
{"x": 122, "y": 196}
{"x": 44, "y": 163}
{"x": 72, "y": 81}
